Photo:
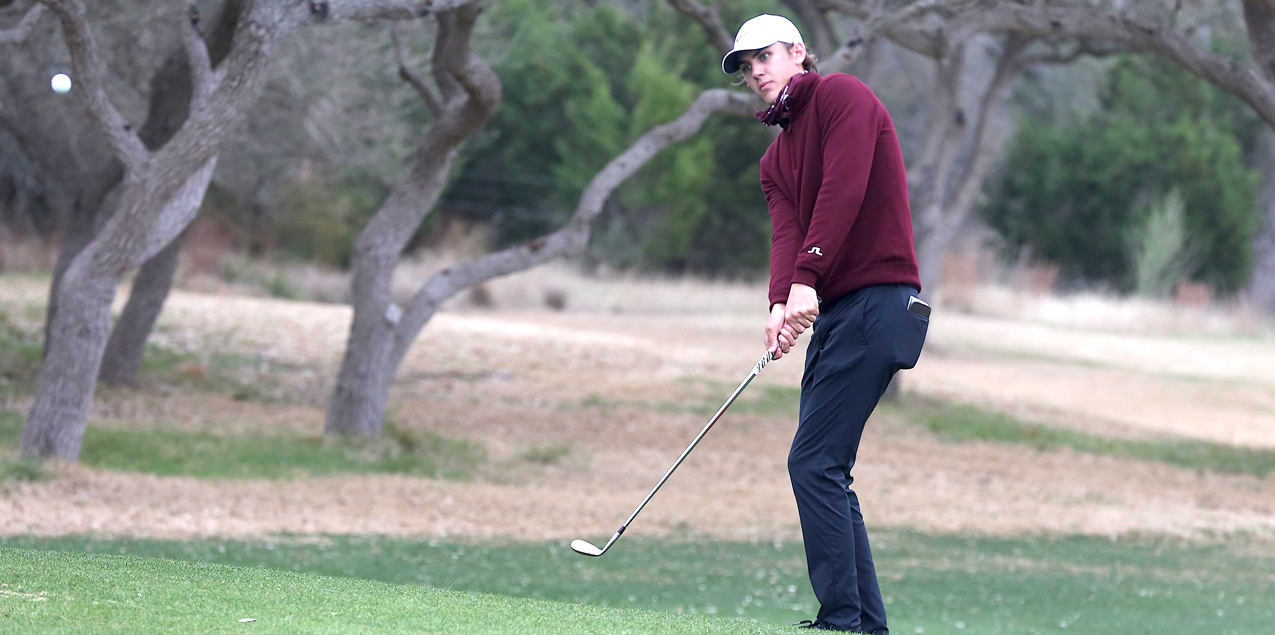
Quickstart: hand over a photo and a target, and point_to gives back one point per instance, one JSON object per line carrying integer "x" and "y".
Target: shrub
{"x": 1075, "y": 193}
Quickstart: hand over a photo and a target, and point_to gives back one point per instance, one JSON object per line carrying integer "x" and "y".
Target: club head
{"x": 585, "y": 547}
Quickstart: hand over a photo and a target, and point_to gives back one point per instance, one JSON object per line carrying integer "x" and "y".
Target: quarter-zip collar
{"x": 791, "y": 101}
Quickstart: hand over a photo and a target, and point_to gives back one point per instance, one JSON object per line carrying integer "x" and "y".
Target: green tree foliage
{"x": 318, "y": 220}
{"x": 1075, "y": 193}
{"x": 580, "y": 85}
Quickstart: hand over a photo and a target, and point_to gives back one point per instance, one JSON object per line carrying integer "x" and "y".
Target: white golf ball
{"x": 61, "y": 83}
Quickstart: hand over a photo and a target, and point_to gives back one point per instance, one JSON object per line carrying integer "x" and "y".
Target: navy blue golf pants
{"x": 858, "y": 343}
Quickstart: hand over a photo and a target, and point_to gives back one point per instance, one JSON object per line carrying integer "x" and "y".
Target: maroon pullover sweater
{"x": 837, "y": 192}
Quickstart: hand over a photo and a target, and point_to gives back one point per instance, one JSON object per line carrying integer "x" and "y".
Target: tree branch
{"x": 572, "y": 237}
{"x": 405, "y": 72}
{"x": 1083, "y": 48}
{"x": 710, "y": 20}
{"x": 944, "y": 131}
{"x": 820, "y": 37}
{"x": 382, "y": 9}
{"x": 454, "y": 66}
{"x": 1010, "y": 64}
{"x": 20, "y": 32}
{"x": 1259, "y": 17}
{"x": 87, "y": 70}
{"x": 877, "y": 21}
{"x": 203, "y": 80}
{"x": 1051, "y": 23}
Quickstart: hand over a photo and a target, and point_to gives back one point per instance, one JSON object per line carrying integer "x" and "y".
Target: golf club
{"x": 587, "y": 548}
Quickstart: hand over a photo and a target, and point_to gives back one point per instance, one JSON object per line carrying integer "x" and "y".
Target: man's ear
{"x": 799, "y": 52}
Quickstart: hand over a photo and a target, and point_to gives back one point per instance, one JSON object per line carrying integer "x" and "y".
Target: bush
{"x": 568, "y": 110}
{"x": 319, "y": 220}
{"x": 1075, "y": 194}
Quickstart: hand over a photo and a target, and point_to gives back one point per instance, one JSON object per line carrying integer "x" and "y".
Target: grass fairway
{"x": 58, "y": 592}
{"x": 933, "y": 584}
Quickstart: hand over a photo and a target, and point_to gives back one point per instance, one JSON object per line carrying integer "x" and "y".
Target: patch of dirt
{"x": 620, "y": 390}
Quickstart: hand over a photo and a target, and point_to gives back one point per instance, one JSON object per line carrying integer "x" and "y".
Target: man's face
{"x": 768, "y": 70}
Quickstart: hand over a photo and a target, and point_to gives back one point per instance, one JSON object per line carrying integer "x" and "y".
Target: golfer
{"x": 843, "y": 264}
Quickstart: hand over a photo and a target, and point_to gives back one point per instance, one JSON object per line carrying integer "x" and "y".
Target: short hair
{"x": 811, "y": 63}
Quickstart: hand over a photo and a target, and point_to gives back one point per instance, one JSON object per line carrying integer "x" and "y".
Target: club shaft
{"x": 744, "y": 384}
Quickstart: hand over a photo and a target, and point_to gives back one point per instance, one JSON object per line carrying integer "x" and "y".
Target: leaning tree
{"x": 463, "y": 94}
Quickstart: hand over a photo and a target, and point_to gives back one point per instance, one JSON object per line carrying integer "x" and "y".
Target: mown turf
{"x": 937, "y": 584}
{"x": 48, "y": 592}
{"x": 281, "y": 455}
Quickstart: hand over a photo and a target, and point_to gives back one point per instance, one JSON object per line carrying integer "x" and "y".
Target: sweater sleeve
{"x": 783, "y": 242}
{"x": 850, "y": 123}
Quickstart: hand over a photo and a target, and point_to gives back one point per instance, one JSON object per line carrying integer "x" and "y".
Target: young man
{"x": 842, "y": 252}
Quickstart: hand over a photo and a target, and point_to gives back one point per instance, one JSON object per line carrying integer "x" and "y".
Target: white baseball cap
{"x": 758, "y": 33}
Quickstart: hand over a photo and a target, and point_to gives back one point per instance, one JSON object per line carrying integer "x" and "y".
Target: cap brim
{"x": 730, "y": 63}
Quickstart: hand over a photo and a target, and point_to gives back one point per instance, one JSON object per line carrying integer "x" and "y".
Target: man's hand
{"x": 779, "y": 338}
{"x": 801, "y": 310}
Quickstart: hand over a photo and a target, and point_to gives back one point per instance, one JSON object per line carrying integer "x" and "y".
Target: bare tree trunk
{"x": 65, "y": 385}
{"x": 171, "y": 90}
{"x": 56, "y": 423}
{"x": 20, "y": 32}
{"x": 123, "y": 354}
{"x": 961, "y": 194}
{"x": 85, "y": 217}
{"x": 468, "y": 93}
{"x": 947, "y": 127}
{"x": 1259, "y": 17}
{"x": 1262, "y": 283}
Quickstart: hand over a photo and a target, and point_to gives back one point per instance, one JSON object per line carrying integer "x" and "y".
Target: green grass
{"x": 20, "y": 354}
{"x": 959, "y": 422}
{"x": 546, "y": 454}
{"x": 81, "y": 593}
{"x": 937, "y": 584}
{"x": 14, "y": 468}
{"x": 964, "y": 423}
{"x": 243, "y": 377}
{"x": 281, "y": 455}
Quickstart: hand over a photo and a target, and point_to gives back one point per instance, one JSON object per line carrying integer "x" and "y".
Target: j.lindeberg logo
{"x": 815, "y": 251}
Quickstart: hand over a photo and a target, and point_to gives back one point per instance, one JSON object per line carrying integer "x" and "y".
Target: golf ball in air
{"x": 61, "y": 83}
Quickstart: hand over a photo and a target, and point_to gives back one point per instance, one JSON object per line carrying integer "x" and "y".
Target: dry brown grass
{"x": 610, "y": 376}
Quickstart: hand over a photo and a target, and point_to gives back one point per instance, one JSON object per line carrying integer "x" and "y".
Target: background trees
{"x": 323, "y": 168}
{"x": 568, "y": 109}
{"x": 1076, "y": 193}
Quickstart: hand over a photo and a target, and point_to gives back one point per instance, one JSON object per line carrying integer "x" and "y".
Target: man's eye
{"x": 763, "y": 56}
